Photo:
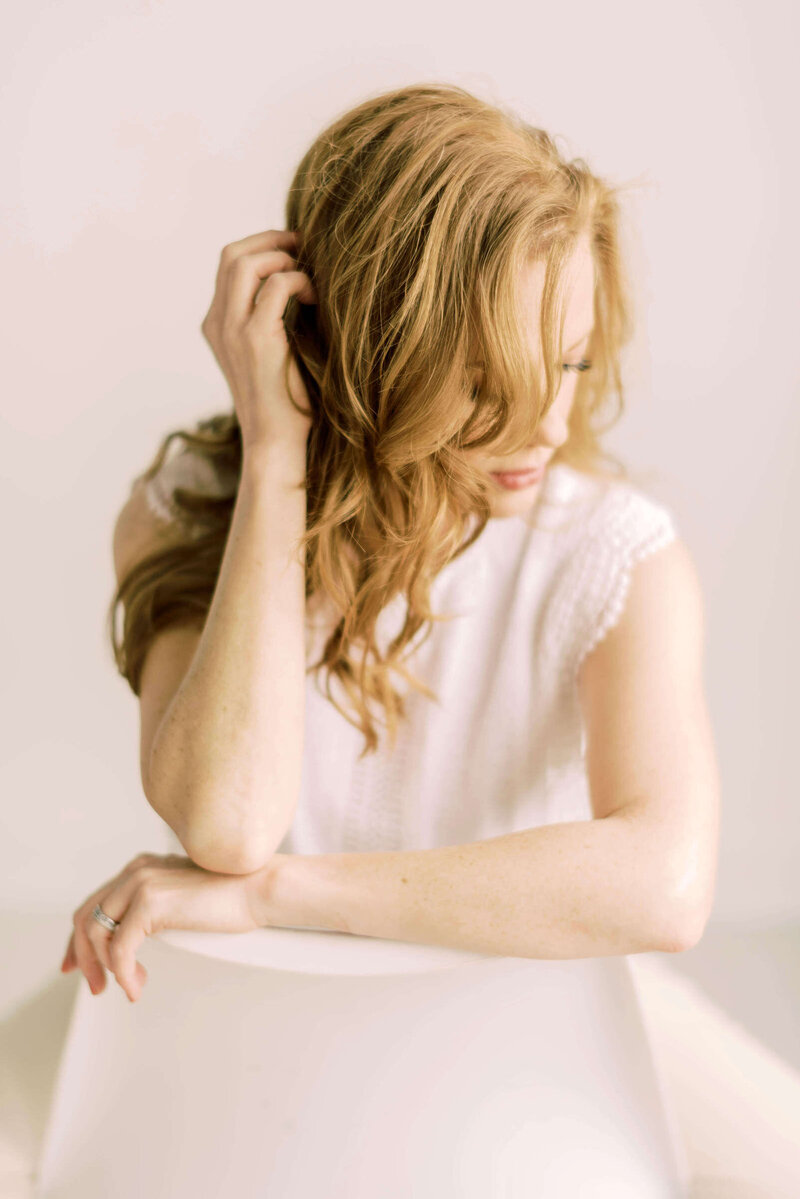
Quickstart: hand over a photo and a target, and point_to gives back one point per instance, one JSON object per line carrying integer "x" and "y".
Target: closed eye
{"x": 585, "y": 364}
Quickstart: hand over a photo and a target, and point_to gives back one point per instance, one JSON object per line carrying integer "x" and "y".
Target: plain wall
{"x": 139, "y": 138}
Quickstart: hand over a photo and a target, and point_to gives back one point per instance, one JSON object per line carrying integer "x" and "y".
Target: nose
{"x": 552, "y": 431}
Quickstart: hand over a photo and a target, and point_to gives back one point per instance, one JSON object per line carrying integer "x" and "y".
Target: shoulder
{"x": 151, "y": 517}
{"x": 185, "y": 469}
{"x": 138, "y": 531}
{"x": 601, "y": 509}
{"x": 607, "y": 528}
{"x": 660, "y": 619}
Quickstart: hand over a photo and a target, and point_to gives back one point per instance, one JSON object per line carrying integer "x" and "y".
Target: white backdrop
{"x": 139, "y": 138}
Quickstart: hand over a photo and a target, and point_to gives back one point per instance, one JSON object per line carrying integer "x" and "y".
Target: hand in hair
{"x": 244, "y": 327}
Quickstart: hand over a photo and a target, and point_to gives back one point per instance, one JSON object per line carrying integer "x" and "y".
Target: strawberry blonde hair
{"x": 416, "y": 212}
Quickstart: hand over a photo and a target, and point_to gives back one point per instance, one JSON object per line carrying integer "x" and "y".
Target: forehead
{"x": 579, "y": 283}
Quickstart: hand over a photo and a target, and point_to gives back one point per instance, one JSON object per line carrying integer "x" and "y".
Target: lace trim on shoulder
{"x": 185, "y": 469}
{"x": 627, "y": 526}
{"x": 158, "y": 499}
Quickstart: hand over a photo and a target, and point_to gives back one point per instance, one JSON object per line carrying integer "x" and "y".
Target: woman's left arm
{"x": 650, "y": 747}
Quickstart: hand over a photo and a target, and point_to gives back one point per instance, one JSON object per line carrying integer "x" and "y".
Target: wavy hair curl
{"x": 416, "y": 211}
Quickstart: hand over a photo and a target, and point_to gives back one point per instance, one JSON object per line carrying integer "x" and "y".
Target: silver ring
{"x": 103, "y": 919}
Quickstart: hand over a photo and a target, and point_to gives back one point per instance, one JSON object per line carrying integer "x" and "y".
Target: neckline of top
{"x": 558, "y": 485}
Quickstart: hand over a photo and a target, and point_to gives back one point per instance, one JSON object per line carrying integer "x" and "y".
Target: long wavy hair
{"x": 416, "y": 211}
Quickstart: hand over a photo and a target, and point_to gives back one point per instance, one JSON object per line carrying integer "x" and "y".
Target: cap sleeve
{"x": 184, "y": 469}
{"x": 626, "y": 527}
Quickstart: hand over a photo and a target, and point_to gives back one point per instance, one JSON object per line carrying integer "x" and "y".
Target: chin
{"x": 510, "y": 503}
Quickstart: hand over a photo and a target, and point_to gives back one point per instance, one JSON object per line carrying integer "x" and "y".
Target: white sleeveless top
{"x": 503, "y": 749}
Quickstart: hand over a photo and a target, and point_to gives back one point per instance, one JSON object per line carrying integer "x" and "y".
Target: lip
{"x": 514, "y": 479}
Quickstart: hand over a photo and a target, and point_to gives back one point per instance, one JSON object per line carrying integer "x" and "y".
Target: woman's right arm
{"x": 225, "y": 761}
{"x": 223, "y": 768}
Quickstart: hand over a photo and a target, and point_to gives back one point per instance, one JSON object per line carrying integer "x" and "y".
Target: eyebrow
{"x": 577, "y": 343}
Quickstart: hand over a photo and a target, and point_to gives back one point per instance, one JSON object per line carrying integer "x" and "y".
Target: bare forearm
{"x": 571, "y": 890}
{"x": 227, "y": 756}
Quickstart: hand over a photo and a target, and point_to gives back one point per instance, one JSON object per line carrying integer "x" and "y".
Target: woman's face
{"x": 553, "y": 429}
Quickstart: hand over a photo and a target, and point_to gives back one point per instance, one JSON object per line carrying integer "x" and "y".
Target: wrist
{"x": 297, "y": 891}
{"x": 261, "y": 891}
{"x": 274, "y": 463}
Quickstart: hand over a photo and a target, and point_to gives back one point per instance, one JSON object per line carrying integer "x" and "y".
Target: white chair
{"x": 296, "y": 1063}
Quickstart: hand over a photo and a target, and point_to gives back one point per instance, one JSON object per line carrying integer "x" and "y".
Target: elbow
{"x": 687, "y": 936}
{"x": 681, "y": 904}
{"x": 211, "y": 847}
{"x": 681, "y": 927}
{"x": 221, "y": 857}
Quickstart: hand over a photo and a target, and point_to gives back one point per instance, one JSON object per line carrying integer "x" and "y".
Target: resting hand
{"x": 150, "y": 893}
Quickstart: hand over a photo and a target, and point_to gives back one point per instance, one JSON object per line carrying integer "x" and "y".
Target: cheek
{"x": 476, "y": 459}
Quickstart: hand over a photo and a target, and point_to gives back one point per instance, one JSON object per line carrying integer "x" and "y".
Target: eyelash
{"x": 584, "y": 365}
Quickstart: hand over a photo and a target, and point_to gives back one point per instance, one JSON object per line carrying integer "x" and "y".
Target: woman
{"x": 411, "y": 484}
